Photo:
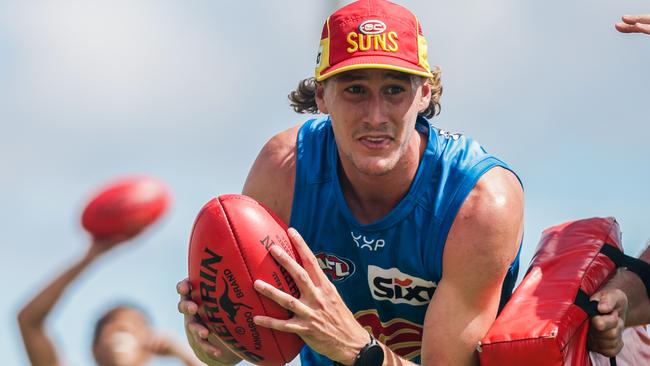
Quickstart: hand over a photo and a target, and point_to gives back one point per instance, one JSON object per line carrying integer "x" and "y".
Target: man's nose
{"x": 376, "y": 113}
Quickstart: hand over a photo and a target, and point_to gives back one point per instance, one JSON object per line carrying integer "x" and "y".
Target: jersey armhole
{"x": 458, "y": 198}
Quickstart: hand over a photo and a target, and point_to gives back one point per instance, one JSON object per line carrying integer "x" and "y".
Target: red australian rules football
{"x": 126, "y": 206}
{"x": 229, "y": 250}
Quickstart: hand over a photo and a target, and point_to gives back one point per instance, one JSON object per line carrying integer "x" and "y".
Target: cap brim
{"x": 374, "y": 62}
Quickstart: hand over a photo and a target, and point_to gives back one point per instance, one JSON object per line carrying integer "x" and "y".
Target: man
{"x": 624, "y": 300}
{"x": 427, "y": 223}
{"x": 122, "y": 337}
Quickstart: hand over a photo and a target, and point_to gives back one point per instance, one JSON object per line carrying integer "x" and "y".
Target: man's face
{"x": 373, "y": 114}
{"x": 123, "y": 340}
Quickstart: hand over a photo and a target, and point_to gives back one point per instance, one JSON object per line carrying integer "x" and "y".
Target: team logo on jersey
{"x": 335, "y": 267}
{"x": 365, "y": 242}
{"x": 400, "y": 335}
{"x": 398, "y": 287}
{"x": 449, "y": 135}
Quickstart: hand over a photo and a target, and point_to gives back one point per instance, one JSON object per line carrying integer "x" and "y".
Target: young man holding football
{"x": 358, "y": 174}
{"x": 428, "y": 223}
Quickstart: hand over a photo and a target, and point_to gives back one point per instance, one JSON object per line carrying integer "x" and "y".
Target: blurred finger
{"x": 625, "y": 28}
{"x": 643, "y": 28}
{"x": 633, "y": 28}
{"x": 632, "y": 19}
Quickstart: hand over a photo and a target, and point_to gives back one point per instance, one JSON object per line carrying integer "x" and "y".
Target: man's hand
{"x": 103, "y": 245}
{"x": 206, "y": 346}
{"x": 320, "y": 318}
{"x": 634, "y": 24}
{"x": 605, "y": 331}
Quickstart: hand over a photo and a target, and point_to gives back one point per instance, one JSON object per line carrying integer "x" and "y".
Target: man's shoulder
{"x": 280, "y": 147}
{"x": 495, "y": 200}
{"x": 272, "y": 176}
{"x": 493, "y": 212}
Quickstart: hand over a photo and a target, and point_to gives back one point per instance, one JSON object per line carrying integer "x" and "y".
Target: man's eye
{"x": 354, "y": 89}
{"x": 394, "y": 90}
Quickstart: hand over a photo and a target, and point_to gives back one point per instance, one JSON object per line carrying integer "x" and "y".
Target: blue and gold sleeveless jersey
{"x": 386, "y": 271}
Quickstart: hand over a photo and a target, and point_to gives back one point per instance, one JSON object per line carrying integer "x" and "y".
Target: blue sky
{"x": 189, "y": 92}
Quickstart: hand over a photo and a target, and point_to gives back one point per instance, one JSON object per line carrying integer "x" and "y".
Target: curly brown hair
{"x": 303, "y": 99}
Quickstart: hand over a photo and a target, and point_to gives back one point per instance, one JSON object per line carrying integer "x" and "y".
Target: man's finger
{"x": 607, "y": 348}
{"x": 625, "y": 28}
{"x": 198, "y": 330}
{"x": 282, "y": 298}
{"x": 299, "y": 274}
{"x": 307, "y": 258}
{"x": 643, "y": 28}
{"x": 605, "y": 322}
{"x": 187, "y": 307}
{"x": 633, "y": 28}
{"x": 208, "y": 348}
{"x": 278, "y": 324}
{"x": 633, "y": 19}
{"x": 183, "y": 287}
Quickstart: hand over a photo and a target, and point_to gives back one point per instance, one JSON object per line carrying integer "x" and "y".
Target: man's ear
{"x": 320, "y": 97}
{"x": 425, "y": 98}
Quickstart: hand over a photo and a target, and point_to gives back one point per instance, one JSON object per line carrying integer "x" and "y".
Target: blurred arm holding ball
{"x": 31, "y": 319}
{"x": 123, "y": 336}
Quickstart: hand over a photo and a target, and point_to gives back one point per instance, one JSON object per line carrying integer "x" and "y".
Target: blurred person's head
{"x": 121, "y": 337}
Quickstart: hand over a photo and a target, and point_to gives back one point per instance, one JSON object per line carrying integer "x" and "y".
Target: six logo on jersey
{"x": 399, "y": 288}
{"x": 365, "y": 242}
{"x": 336, "y": 268}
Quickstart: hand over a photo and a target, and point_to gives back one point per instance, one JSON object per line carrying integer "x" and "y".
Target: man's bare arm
{"x": 482, "y": 243}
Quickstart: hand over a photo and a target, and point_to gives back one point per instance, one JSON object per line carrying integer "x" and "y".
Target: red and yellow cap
{"x": 372, "y": 34}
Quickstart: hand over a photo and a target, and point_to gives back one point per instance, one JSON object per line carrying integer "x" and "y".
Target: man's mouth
{"x": 375, "y": 142}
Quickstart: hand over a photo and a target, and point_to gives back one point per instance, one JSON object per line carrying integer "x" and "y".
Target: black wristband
{"x": 372, "y": 354}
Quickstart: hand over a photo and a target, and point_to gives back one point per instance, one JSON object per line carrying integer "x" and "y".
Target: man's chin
{"x": 376, "y": 168}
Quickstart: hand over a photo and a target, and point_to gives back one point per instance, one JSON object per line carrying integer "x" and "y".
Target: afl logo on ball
{"x": 372, "y": 27}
